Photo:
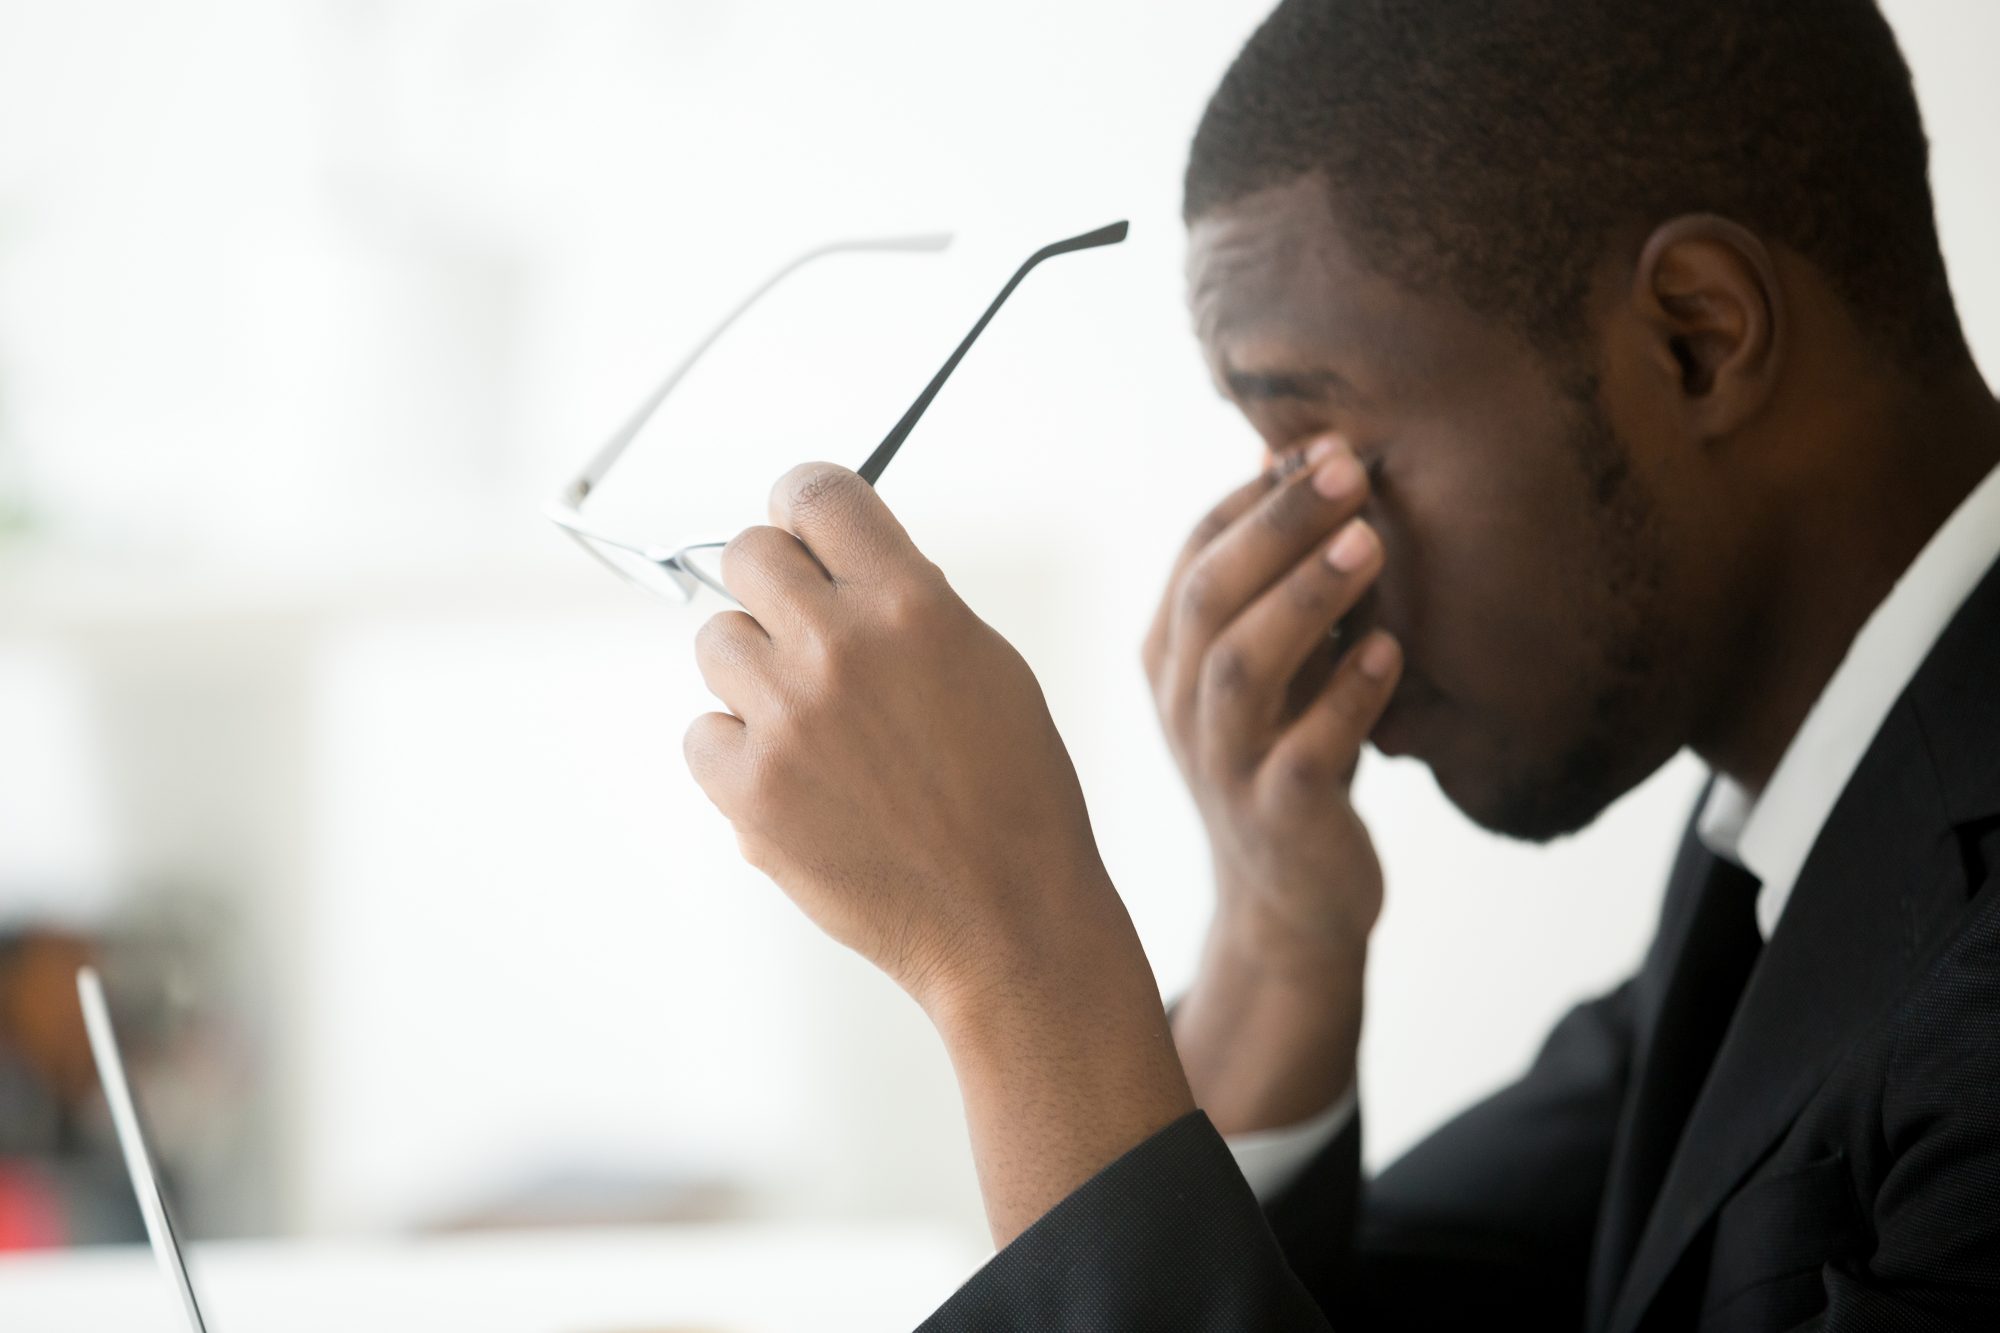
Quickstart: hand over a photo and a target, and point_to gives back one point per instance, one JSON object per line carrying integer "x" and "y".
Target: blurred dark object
{"x": 61, "y": 1180}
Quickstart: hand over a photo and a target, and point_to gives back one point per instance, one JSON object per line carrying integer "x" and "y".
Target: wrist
{"x": 1075, "y": 961}
{"x": 1037, "y": 932}
{"x": 1269, "y": 1034}
{"x": 1064, "y": 1065}
{"x": 1250, "y": 944}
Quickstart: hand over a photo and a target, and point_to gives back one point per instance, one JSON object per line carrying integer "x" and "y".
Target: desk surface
{"x": 695, "y": 1279}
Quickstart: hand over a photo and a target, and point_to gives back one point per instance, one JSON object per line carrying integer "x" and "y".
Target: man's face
{"x": 1529, "y": 574}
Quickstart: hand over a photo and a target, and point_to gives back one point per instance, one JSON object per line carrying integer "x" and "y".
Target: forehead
{"x": 1273, "y": 284}
{"x": 1246, "y": 258}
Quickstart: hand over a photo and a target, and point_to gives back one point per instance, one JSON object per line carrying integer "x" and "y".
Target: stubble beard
{"x": 1616, "y": 743}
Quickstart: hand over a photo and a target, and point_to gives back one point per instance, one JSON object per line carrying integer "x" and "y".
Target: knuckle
{"x": 1225, "y": 671}
{"x": 1197, "y": 592}
{"x": 734, "y": 552}
{"x": 702, "y": 746}
{"x": 707, "y": 640}
{"x": 749, "y": 543}
{"x": 695, "y": 741}
{"x": 720, "y": 636}
{"x": 817, "y": 486}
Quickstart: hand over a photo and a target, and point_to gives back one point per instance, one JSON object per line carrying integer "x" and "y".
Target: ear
{"x": 1708, "y": 292}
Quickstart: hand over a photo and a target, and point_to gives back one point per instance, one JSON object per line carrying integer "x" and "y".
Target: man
{"x": 1633, "y": 414}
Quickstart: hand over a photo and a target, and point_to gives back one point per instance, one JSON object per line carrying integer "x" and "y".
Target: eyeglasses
{"x": 678, "y": 572}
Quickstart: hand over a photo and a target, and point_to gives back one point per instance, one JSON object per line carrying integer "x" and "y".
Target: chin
{"x": 1539, "y": 805}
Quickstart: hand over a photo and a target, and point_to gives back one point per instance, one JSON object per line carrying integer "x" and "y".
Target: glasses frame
{"x": 566, "y": 511}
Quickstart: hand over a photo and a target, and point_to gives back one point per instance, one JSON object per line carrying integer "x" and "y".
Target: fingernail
{"x": 1351, "y": 549}
{"x": 1377, "y": 657}
{"x": 1339, "y": 477}
{"x": 1320, "y": 448}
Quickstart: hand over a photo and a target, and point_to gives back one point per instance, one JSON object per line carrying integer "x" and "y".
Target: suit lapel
{"x": 1884, "y": 881}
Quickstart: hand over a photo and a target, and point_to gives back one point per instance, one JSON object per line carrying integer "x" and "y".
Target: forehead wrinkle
{"x": 1236, "y": 263}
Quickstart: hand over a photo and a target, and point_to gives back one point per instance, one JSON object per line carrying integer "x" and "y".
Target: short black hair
{"x": 1490, "y": 148}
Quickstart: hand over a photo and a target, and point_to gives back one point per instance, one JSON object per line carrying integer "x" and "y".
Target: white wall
{"x": 305, "y": 307}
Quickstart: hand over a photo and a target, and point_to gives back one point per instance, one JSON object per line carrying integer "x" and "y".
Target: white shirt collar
{"x": 1771, "y": 836}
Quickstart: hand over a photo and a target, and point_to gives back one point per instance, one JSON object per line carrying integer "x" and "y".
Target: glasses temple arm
{"x": 886, "y": 450}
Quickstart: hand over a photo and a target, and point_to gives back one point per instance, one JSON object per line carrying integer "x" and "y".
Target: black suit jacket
{"x": 1839, "y": 1170}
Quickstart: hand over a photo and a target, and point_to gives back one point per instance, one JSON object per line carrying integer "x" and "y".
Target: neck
{"x": 1834, "y": 552}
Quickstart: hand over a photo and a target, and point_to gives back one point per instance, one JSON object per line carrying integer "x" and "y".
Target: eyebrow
{"x": 1309, "y": 385}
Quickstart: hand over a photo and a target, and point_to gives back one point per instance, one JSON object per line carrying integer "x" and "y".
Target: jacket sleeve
{"x": 1493, "y": 1212}
{"x": 1166, "y": 1238}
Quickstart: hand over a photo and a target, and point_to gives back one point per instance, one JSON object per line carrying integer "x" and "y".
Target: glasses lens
{"x": 654, "y": 577}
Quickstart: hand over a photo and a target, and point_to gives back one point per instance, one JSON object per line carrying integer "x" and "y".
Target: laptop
{"x": 132, "y": 1142}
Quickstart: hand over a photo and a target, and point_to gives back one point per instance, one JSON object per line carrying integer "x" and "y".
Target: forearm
{"x": 1063, "y": 1068}
{"x": 1268, "y": 1035}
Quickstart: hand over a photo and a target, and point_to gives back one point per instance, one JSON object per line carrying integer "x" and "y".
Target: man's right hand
{"x": 1266, "y": 723}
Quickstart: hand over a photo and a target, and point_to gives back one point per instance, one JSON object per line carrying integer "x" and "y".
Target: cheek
{"x": 1485, "y": 580}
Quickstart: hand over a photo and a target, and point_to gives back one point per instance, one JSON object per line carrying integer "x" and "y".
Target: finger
{"x": 841, "y": 519}
{"x": 1212, "y": 525}
{"x": 1321, "y": 749}
{"x": 1233, "y": 506}
{"x": 1255, "y": 551}
{"x": 731, "y": 650}
{"x": 1241, "y": 694}
{"x": 775, "y": 577}
{"x": 1311, "y": 678}
{"x": 713, "y": 747}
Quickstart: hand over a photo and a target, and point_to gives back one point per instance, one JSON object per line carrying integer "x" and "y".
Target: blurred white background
{"x": 305, "y": 309}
